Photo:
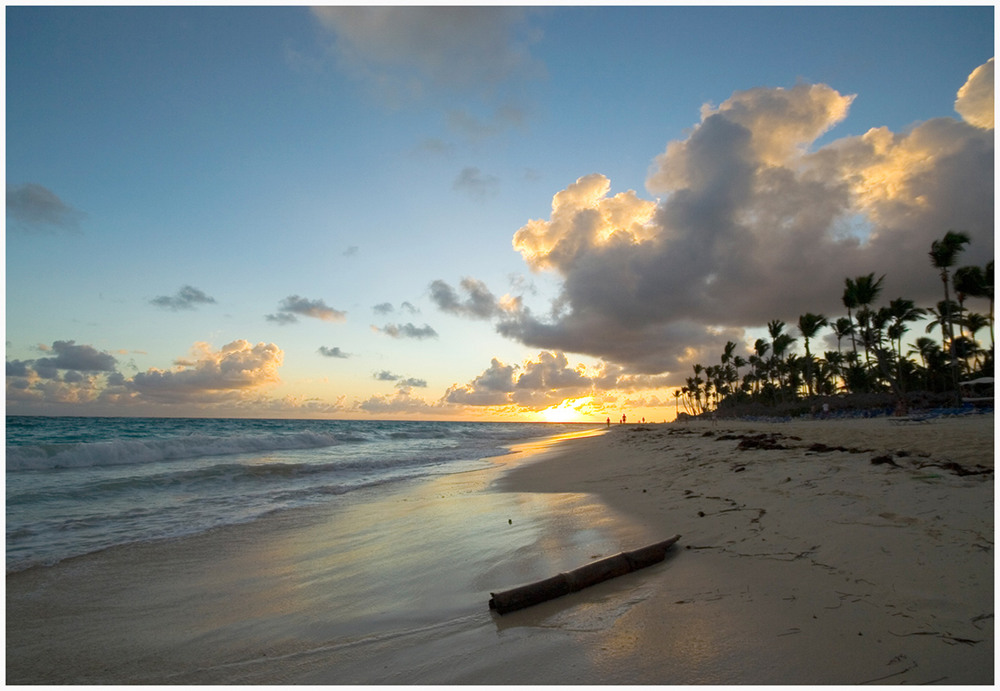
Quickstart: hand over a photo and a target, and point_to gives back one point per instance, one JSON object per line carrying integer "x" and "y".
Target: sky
{"x": 482, "y": 213}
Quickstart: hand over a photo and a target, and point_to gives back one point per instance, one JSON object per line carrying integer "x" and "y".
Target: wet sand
{"x": 794, "y": 566}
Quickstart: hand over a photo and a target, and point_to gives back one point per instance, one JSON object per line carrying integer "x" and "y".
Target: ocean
{"x": 78, "y": 485}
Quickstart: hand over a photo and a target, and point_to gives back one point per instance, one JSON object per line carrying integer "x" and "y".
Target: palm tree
{"x": 943, "y": 254}
{"x": 973, "y": 281}
{"x": 833, "y": 361}
{"x": 925, "y": 347}
{"x": 902, "y": 311}
{"x": 842, "y": 327}
{"x": 779, "y": 346}
{"x": 738, "y": 361}
{"x": 850, "y": 300}
{"x": 940, "y": 312}
{"x": 760, "y": 348}
{"x": 865, "y": 292}
{"x": 809, "y": 326}
{"x": 974, "y": 322}
{"x": 694, "y": 385}
{"x": 968, "y": 281}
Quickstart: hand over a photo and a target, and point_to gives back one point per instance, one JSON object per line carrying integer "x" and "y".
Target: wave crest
{"x": 134, "y": 452}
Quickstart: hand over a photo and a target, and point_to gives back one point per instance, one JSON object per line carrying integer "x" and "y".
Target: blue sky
{"x": 312, "y": 212}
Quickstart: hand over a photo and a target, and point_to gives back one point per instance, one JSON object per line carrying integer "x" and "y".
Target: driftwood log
{"x": 578, "y": 579}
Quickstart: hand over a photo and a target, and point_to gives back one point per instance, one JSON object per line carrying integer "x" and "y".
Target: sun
{"x": 570, "y": 410}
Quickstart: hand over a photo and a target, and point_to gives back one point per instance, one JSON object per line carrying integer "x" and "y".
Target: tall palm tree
{"x": 779, "y": 344}
{"x": 940, "y": 313}
{"x": 923, "y": 347}
{"x": 902, "y": 311}
{"x": 968, "y": 281}
{"x": 760, "y": 347}
{"x": 694, "y": 384}
{"x": 866, "y": 290}
{"x": 809, "y": 326}
{"x": 934, "y": 360}
{"x": 738, "y": 361}
{"x": 973, "y": 281}
{"x": 850, "y": 300}
{"x": 974, "y": 322}
{"x": 834, "y": 364}
{"x": 943, "y": 254}
{"x": 779, "y": 347}
{"x": 842, "y": 327}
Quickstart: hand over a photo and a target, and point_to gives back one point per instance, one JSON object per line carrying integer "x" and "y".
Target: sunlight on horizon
{"x": 570, "y": 410}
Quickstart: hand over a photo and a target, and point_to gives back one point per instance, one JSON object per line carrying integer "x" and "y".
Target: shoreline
{"x": 312, "y": 591}
{"x": 790, "y": 561}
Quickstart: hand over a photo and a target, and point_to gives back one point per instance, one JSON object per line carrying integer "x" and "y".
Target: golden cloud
{"x": 584, "y": 218}
{"x": 975, "y": 98}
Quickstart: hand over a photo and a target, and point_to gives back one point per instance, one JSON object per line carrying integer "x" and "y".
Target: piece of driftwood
{"x": 578, "y": 579}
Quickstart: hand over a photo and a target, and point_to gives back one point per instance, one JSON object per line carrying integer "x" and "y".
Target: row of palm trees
{"x": 772, "y": 373}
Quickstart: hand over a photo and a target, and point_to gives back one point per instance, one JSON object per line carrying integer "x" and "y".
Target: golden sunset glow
{"x": 571, "y": 410}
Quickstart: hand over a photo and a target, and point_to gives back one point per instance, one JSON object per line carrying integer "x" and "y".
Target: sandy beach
{"x": 837, "y": 551}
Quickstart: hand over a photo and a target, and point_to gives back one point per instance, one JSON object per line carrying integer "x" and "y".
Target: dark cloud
{"x": 408, "y": 330}
{"x": 31, "y": 207}
{"x": 473, "y": 182}
{"x": 385, "y": 308}
{"x": 752, "y": 224}
{"x": 351, "y": 251}
{"x": 480, "y": 303}
{"x": 70, "y": 376}
{"x": 187, "y": 298}
{"x": 412, "y": 382}
{"x": 399, "y": 381}
{"x": 281, "y": 318}
{"x": 18, "y": 368}
{"x": 82, "y": 358}
{"x": 334, "y": 352}
{"x": 293, "y": 305}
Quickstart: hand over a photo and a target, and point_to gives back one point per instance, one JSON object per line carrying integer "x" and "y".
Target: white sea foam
{"x": 76, "y": 485}
{"x": 138, "y": 451}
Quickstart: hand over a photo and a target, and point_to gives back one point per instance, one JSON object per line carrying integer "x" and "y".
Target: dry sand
{"x": 799, "y": 565}
{"x": 795, "y": 566}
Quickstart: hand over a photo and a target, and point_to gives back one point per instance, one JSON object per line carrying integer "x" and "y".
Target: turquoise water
{"x": 78, "y": 485}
